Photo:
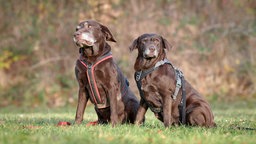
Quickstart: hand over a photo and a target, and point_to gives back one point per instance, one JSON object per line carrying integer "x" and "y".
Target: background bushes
{"x": 213, "y": 43}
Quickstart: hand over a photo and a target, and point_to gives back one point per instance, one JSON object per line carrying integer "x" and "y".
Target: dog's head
{"x": 92, "y": 36}
{"x": 150, "y": 46}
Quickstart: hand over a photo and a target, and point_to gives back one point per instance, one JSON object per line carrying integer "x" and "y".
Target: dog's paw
{"x": 139, "y": 123}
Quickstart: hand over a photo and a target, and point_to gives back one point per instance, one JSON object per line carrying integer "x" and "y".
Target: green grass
{"x": 25, "y": 125}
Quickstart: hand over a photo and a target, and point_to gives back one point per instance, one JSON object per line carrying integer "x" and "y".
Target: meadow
{"x": 236, "y": 124}
{"x": 213, "y": 44}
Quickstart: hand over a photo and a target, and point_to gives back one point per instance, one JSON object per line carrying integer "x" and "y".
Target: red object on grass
{"x": 92, "y": 123}
{"x": 64, "y": 123}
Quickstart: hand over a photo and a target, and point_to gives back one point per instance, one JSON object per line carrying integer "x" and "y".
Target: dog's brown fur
{"x": 159, "y": 86}
{"x": 91, "y": 37}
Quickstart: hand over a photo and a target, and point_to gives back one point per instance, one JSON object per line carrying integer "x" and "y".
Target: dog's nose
{"x": 152, "y": 48}
{"x": 76, "y": 34}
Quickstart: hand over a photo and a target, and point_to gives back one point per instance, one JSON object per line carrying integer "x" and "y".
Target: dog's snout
{"x": 152, "y": 48}
{"x": 76, "y": 33}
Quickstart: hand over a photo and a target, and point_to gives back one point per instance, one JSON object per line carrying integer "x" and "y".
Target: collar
{"x": 98, "y": 60}
{"x": 141, "y": 74}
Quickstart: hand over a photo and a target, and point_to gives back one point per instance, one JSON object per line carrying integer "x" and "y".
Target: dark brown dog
{"x": 159, "y": 86}
{"x": 100, "y": 79}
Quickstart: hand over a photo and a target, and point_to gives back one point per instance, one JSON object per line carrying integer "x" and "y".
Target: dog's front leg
{"x": 82, "y": 101}
{"x": 113, "y": 94}
{"x": 141, "y": 112}
{"x": 167, "y": 109}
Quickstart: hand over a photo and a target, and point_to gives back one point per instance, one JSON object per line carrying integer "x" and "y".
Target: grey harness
{"x": 180, "y": 83}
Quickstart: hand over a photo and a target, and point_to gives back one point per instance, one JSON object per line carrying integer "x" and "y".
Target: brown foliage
{"x": 214, "y": 44}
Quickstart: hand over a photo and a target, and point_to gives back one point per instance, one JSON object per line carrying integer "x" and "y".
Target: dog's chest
{"x": 98, "y": 81}
{"x": 151, "y": 93}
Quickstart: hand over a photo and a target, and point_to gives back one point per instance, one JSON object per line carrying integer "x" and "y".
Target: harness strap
{"x": 91, "y": 79}
{"x": 183, "y": 102}
{"x": 179, "y": 83}
{"x": 141, "y": 74}
{"x": 95, "y": 95}
{"x": 178, "y": 74}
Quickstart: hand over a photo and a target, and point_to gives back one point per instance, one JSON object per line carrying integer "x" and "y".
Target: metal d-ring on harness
{"x": 95, "y": 95}
{"x": 180, "y": 83}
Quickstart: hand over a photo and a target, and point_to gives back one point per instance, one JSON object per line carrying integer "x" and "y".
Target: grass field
{"x": 26, "y": 125}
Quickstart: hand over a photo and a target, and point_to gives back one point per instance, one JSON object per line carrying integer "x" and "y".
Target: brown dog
{"x": 158, "y": 80}
{"x": 100, "y": 79}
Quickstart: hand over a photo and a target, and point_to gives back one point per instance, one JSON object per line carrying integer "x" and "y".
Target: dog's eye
{"x": 144, "y": 40}
{"x": 155, "y": 40}
{"x": 77, "y": 28}
{"x": 89, "y": 26}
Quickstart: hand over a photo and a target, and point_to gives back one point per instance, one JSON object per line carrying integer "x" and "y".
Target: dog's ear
{"x": 166, "y": 44}
{"x": 134, "y": 44}
{"x": 106, "y": 31}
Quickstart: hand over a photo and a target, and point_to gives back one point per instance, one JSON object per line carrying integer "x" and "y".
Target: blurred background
{"x": 214, "y": 44}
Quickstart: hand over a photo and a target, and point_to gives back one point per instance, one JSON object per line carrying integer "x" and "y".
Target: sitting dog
{"x": 160, "y": 86}
{"x": 100, "y": 79}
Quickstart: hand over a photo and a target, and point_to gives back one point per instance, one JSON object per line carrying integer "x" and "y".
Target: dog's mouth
{"x": 87, "y": 47}
{"x": 84, "y": 40}
{"x": 149, "y": 56}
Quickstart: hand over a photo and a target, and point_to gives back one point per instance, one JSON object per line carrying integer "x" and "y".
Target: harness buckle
{"x": 178, "y": 83}
{"x": 180, "y": 73}
{"x": 138, "y": 75}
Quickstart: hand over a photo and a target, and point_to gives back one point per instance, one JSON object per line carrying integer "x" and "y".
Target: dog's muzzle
{"x": 150, "y": 52}
{"x": 84, "y": 40}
